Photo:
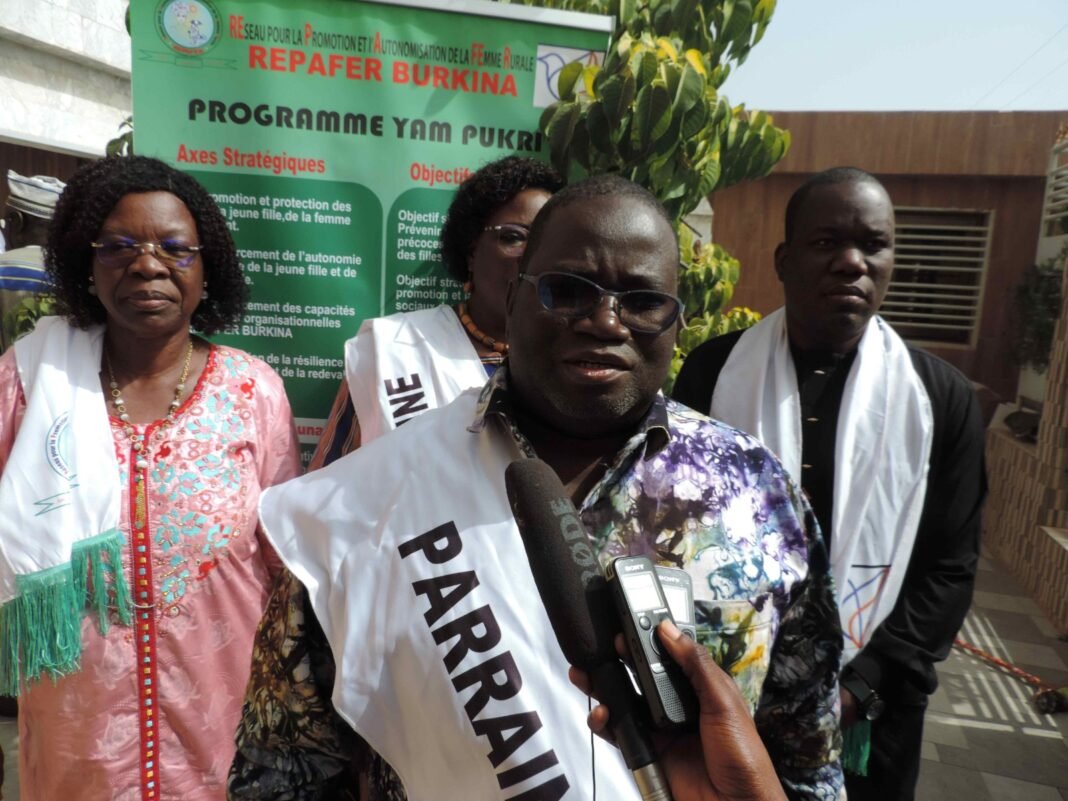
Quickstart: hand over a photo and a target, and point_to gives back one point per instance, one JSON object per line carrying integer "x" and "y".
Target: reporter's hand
{"x": 725, "y": 760}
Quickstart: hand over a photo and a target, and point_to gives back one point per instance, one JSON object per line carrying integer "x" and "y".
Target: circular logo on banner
{"x": 57, "y": 446}
{"x": 190, "y": 27}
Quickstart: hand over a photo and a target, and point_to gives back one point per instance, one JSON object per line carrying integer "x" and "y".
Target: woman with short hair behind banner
{"x": 448, "y": 348}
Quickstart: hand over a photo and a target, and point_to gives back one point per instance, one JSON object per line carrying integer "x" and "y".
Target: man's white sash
{"x": 446, "y": 661}
{"x": 882, "y": 451}
{"x": 399, "y": 366}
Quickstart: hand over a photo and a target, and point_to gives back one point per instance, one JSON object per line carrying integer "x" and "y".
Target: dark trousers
{"x": 894, "y": 765}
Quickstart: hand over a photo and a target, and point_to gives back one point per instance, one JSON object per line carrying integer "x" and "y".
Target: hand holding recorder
{"x": 725, "y": 760}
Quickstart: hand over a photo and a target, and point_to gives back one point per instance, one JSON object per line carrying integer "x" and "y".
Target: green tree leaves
{"x": 653, "y": 113}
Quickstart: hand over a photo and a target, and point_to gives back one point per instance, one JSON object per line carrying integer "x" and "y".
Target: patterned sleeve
{"x": 12, "y": 405}
{"x": 279, "y": 451}
{"x": 341, "y": 435}
{"x": 291, "y": 743}
{"x": 277, "y": 447}
{"x": 798, "y": 713}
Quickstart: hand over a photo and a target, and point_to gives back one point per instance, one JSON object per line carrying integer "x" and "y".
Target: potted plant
{"x": 1037, "y": 307}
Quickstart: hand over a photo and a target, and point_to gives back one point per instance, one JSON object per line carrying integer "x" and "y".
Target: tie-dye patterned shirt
{"x": 693, "y": 493}
{"x": 687, "y": 492}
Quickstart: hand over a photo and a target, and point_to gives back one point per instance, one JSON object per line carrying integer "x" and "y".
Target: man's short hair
{"x": 607, "y": 184}
{"x": 831, "y": 177}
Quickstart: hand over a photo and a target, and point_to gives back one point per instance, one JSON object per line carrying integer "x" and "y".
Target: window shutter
{"x": 936, "y": 291}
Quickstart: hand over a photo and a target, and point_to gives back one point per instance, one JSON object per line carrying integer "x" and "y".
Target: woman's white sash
{"x": 882, "y": 451}
{"x": 59, "y": 507}
{"x": 399, "y": 366}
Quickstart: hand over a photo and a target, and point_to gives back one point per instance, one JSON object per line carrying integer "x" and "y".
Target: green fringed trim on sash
{"x": 40, "y": 630}
{"x": 856, "y": 748}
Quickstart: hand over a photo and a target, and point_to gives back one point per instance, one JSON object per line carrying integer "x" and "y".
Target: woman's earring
{"x": 92, "y": 286}
{"x": 204, "y": 294}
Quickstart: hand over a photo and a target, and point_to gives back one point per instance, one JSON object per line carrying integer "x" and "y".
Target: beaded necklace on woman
{"x": 498, "y": 349}
{"x": 124, "y": 416}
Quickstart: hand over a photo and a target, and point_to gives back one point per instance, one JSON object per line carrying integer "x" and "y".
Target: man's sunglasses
{"x": 644, "y": 311}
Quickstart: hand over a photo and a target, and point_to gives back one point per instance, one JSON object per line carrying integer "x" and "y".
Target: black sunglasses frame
{"x": 535, "y": 281}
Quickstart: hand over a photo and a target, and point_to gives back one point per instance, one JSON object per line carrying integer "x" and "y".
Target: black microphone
{"x": 575, "y": 595}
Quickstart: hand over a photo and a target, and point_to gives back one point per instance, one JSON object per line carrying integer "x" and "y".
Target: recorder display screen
{"x": 641, "y": 591}
{"x": 677, "y": 599}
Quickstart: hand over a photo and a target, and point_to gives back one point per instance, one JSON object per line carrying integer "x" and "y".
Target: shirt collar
{"x": 495, "y": 402}
{"x": 809, "y": 360}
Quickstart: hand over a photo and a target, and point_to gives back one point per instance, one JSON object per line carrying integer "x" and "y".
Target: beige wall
{"x": 1025, "y": 521}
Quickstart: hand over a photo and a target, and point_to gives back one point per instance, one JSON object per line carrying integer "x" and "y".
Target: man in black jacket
{"x": 886, "y": 440}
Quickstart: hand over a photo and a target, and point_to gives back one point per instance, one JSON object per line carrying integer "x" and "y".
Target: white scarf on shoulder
{"x": 400, "y": 366}
{"x": 59, "y": 507}
{"x": 882, "y": 450}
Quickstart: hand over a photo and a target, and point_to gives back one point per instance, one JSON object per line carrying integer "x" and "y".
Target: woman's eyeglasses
{"x": 511, "y": 238}
{"x": 120, "y": 252}
{"x": 644, "y": 311}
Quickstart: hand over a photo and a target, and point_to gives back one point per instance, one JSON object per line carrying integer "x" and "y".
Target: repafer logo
{"x": 57, "y": 454}
{"x": 860, "y": 598}
{"x": 551, "y": 59}
{"x": 189, "y": 27}
{"x": 57, "y": 446}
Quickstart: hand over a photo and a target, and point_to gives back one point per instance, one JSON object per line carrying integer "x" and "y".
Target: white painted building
{"x": 64, "y": 74}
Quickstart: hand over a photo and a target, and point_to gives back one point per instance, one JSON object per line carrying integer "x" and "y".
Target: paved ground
{"x": 983, "y": 739}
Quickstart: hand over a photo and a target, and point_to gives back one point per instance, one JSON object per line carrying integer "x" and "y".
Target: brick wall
{"x": 1026, "y": 518}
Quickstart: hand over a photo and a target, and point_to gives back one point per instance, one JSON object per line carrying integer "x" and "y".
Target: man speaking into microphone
{"x": 412, "y": 619}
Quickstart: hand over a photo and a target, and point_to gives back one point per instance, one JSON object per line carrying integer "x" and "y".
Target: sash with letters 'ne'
{"x": 399, "y": 366}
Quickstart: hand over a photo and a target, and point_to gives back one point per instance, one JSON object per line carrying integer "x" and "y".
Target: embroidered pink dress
{"x": 152, "y": 712}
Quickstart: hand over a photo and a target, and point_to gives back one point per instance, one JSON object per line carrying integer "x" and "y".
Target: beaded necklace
{"x": 120, "y": 407}
{"x": 472, "y": 329}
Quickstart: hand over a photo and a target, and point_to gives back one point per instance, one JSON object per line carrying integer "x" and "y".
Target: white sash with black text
{"x": 446, "y": 660}
{"x": 399, "y": 366}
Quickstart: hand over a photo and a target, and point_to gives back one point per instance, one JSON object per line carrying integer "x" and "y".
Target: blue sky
{"x": 862, "y": 55}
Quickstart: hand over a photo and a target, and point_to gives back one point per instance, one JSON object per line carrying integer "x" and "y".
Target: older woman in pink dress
{"x": 132, "y": 456}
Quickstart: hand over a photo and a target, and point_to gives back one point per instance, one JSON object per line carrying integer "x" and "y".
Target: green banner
{"x": 333, "y": 135}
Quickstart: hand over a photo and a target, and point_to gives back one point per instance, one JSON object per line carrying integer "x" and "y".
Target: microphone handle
{"x": 614, "y": 688}
{"x": 652, "y": 783}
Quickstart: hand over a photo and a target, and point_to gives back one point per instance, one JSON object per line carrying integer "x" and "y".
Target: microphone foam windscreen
{"x": 565, "y": 567}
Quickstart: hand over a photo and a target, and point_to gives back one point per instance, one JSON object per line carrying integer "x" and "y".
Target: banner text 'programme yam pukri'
{"x": 332, "y": 134}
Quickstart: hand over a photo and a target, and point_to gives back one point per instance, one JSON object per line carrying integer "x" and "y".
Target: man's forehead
{"x": 849, "y": 203}
{"x": 602, "y": 221}
{"x": 598, "y": 213}
{"x": 609, "y": 250}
